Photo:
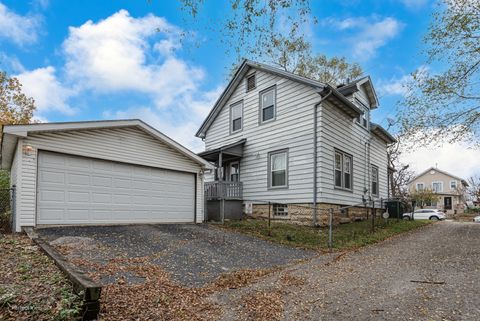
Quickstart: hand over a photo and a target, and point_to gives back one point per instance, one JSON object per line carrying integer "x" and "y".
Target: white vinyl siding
{"x": 127, "y": 145}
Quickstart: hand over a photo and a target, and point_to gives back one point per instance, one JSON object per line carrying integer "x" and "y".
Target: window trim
{"x": 343, "y": 188}
{"x": 230, "y": 170}
{"x": 269, "y": 171}
{"x": 246, "y": 82}
{"x": 441, "y": 184}
{"x": 372, "y": 167}
{"x": 260, "y": 108}
{"x": 417, "y": 189}
{"x": 240, "y": 102}
{"x": 456, "y": 185}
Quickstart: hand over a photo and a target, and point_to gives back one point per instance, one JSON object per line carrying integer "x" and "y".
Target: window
{"x": 437, "y": 187}
{"x": 234, "y": 171}
{"x": 267, "y": 104}
{"x": 236, "y": 116}
{"x": 278, "y": 175}
{"x": 251, "y": 82}
{"x": 374, "y": 180}
{"x": 453, "y": 184}
{"x": 363, "y": 118}
{"x": 420, "y": 187}
{"x": 343, "y": 170}
{"x": 280, "y": 210}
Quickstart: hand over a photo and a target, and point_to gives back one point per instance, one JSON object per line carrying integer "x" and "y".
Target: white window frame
{"x": 343, "y": 155}
{"x": 375, "y": 168}
{"x": 455, "y": 183}
{"x": 419, "y": 190}
{"x": 234, "y": 105}
{"x": 441, "y": 187}
{"x": 270, "y": 171}
{"x": 230, "y": 171}
{"x": 261, "y": 94}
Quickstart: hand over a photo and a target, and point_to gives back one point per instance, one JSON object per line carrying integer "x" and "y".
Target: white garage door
{"x": 79, "y": 190}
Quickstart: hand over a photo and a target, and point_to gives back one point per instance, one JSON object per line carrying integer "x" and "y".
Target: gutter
{"x": 315, "y": 152}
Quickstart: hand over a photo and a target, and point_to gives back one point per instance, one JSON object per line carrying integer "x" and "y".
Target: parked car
{"x": 476, "y": 219}
{"x": 425, "y": 214}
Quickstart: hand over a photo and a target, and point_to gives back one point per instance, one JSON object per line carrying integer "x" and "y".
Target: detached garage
{"x": 102, "y": 172}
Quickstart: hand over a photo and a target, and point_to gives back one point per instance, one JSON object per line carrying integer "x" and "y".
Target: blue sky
{"x": 86, "y": 60}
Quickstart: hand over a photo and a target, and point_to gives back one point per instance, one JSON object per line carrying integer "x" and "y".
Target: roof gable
{"x": 440, "y": 171}
{"x": 247, "y": 65}
{"x": 12, "y": 132}
{"x": 364, "y": 83}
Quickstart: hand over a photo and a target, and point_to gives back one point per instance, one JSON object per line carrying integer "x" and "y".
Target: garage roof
{"x": 12, "y": 132}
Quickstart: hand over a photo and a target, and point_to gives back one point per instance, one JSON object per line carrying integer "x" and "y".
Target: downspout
{"x": 315, "y": 153}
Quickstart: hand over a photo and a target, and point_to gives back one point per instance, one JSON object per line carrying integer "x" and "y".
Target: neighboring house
{"x": 450, "y": 189}
{"x": 101, "y": 172}
{"x": 275, "y": 136}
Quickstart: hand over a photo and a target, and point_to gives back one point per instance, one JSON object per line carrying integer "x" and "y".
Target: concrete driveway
{"x": 193, "y": 254}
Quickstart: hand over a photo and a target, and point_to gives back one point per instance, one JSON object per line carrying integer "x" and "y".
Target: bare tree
{"x": 473, "y": 189}
{"x": 401, "y": 174}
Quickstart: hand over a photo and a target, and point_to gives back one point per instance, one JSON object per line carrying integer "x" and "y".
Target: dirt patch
{"x": 263, "y": 305}
{"x": 31, "y": 285}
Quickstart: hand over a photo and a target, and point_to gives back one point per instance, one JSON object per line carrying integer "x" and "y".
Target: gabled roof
{"x": 355, "y": 85}
{"x": 382, "y": 133}
{"x": 464, "y": 182}
{"x": 242, "y": 70}
{"x": 12, "y": 132}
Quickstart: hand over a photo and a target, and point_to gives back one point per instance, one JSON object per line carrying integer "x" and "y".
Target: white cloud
{"x": 394, "y": 86}
{"x": 49, "y": 94}
{"x": 16, "y": 28}
{"x": 369, "y": 34}
{"x": 414, "y": 4}
{"x": 460, "y": 159}
{"x": 10, "y": 63}
{"x": 126, "y": 53}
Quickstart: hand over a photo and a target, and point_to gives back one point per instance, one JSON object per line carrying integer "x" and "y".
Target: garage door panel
{"x": 76, "y": 190}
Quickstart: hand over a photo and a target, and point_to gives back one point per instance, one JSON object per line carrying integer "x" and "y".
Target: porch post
{"x": 220, "y": 166}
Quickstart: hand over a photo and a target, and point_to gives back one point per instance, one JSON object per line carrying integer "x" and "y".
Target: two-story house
{"x": 450, "y": 189}
{"x": 302, "y": 144}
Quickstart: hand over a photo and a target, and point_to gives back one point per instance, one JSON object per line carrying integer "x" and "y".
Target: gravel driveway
{"x": 375, "y": 282}
{"x": 193, "y": 254}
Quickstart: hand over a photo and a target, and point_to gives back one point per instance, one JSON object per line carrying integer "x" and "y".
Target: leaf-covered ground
{"x": 31, "y": 285}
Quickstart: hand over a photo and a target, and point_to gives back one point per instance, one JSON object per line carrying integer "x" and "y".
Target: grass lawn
{"x": 345, "y": 236}
{"x": 31, "y": 285}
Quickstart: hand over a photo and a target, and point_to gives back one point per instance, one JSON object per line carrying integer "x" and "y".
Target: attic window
{"x": 251, "y": 83}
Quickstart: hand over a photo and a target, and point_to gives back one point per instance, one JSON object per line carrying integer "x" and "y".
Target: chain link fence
{"x": 336, "y": 225}
{"x": 7, "y": 197}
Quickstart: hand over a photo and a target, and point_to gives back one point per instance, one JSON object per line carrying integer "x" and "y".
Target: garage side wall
{"x": 129, "y": 145}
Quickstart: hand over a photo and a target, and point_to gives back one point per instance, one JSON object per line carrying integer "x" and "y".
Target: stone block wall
{"x": 303, "y": 213}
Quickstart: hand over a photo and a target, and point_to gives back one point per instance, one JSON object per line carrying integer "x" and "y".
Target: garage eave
{"x": 25, "y": 130}
{"x": 9, "y": 142}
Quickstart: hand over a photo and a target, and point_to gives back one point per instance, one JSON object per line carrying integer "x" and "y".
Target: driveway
{"x": 193, "y": 255}
{"x": 429, "y": 274}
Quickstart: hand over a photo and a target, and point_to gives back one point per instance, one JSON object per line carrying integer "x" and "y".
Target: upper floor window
{"x": 278, "y": 169}
{"x": 453, "y": 184}
{"x": 363, "y": 119}
{"x": 267, "y": 104}
{"x": 420, "y": 187}
{"x": 236, "y": 117}
{"x": 437, "y": 187}
{"x": 251, "y": 82}
{"x": 374, "y": 180}
{"x": 343, "y": 170}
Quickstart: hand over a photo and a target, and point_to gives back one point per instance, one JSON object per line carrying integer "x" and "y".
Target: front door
{"x": 447, "y": 203}
{"x": 234, "y": 172}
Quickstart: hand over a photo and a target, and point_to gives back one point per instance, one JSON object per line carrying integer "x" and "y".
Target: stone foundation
{"x": 303, "y": 213}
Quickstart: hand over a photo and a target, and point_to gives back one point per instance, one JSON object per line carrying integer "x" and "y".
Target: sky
{"x": 91, "y": 60}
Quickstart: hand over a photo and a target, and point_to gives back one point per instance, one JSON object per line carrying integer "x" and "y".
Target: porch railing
{"x": 223, "y": 190}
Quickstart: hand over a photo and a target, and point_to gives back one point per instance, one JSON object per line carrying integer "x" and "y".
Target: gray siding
{"x": 293, "y": 129}
{"x": 294, "y": 101}
{"x": 129, "y": 145}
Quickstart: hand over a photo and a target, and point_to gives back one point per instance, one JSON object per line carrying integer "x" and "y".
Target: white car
{"x": 476, "y": 219}
{"x": 425, "y": 214}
